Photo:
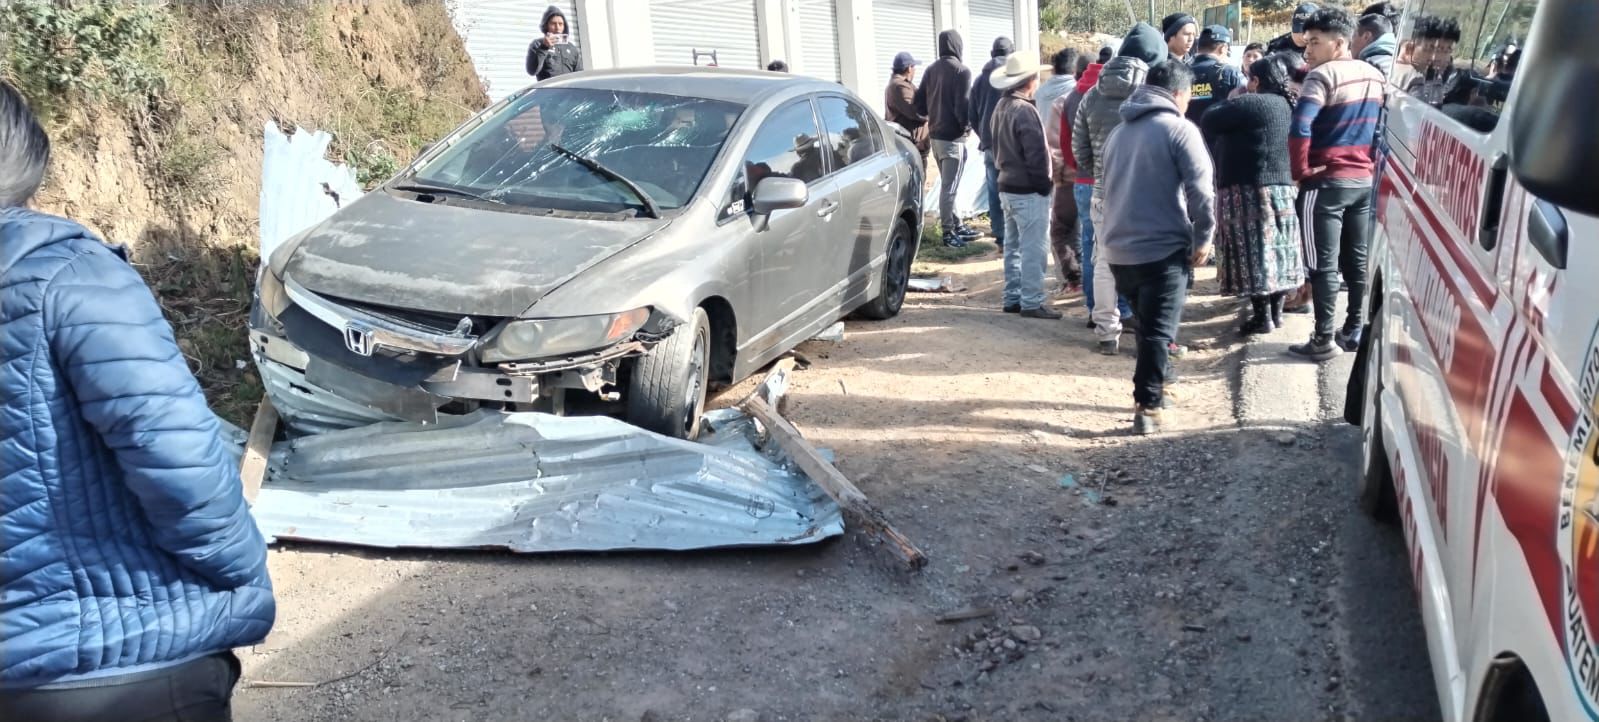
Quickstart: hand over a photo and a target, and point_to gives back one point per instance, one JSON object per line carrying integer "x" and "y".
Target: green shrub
{"x": 87, "y": 48}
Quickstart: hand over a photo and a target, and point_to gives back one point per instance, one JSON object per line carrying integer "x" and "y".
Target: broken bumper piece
{"x": 531, "y": 482}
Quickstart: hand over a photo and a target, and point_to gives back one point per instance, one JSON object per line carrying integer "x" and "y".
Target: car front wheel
{"x": 666, "y": 393}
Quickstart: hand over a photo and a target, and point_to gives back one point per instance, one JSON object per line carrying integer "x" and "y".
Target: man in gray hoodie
{"x": 1159, "y": 214}
{"x": 1097, "y": 115}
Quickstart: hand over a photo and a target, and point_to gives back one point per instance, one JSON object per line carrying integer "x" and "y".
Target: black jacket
{"x": 1020, "y": 155}
{"x": 543, "y": 62}
{"x": 942, "y": 96}
{"x": 1214, "y": 80}
{"x": 1285, "y": 43}
{"x": 1249, "y": 137}
{"x": 984, "y": 95}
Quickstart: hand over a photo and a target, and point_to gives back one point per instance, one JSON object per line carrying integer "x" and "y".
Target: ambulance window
{"x": 1461, "y": 56}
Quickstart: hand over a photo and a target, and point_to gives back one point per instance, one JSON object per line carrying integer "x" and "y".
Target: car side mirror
{"x": 780, "y": 194}
{"x": 777, "y": 194}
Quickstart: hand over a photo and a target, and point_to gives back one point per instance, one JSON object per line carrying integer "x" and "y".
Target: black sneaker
{"x": 1348, "y": 339}
{"x": 1012, "y": 308}
{"x": 968, "y": 232}
{"x": 1318, "y": 348}
{"x": 1044, "y": 312}
{"x": 954, "y": 241}
{"x": 1110, "y": 347}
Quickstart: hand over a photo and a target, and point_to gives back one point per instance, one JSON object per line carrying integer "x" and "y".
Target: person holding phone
{"x": 555, "y": 52}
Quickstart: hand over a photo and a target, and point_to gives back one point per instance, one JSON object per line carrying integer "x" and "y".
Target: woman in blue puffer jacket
{"x": 129, "y": 564}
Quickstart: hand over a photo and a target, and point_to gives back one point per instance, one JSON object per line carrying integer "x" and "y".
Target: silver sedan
{"x": 613, "y": 241}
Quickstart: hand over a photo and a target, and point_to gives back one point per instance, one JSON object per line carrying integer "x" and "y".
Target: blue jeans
{"x": 1083, "y": 193}
{"x": 1027, "y": 242}
{"x": 996, "y": 207}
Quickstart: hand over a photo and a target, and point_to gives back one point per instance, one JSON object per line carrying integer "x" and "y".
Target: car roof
{"x": 745, "y": 87}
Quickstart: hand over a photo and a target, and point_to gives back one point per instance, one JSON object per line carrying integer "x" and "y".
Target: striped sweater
{"x": 1335, "y": 123}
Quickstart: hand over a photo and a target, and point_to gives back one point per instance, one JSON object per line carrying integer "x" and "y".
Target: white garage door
{"x": 818, "y": 39}
{"x": 904, "y": 25}
{"x": 989, "y": 19}
{"x": 496, "y": 34}
{"x": 726, "y": 27}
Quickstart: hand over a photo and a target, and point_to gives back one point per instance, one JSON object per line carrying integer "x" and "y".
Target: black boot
{"x": 1277, "y": 300}
{"x": 1260, "y": 320}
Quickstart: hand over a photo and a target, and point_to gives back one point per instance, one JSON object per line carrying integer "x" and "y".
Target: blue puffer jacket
{"x": 125, "y": 542}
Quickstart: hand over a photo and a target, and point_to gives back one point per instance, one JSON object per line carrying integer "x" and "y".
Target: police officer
{"x": 1214, "y": 79}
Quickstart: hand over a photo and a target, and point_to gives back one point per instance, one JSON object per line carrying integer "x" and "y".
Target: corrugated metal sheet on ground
{"x": 497, "y": 34}
{"x": 904, "y": 25}
{"x": 818, "y": 51}
{"x": 539, "y": 483}
{"x": 680, "y": 27}
{"x": 299, "y": 186}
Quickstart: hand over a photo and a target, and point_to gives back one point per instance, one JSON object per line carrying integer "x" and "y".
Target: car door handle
{"x": 827, "y": 209}
{"x": 884, "y": 181}
{"x": 1547, "y": 229}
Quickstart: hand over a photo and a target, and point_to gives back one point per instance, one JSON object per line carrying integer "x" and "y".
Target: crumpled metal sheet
{"x": 531, "y": 482}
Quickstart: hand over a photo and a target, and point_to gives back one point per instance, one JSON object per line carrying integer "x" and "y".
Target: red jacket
{"x": 1084, "y": 83}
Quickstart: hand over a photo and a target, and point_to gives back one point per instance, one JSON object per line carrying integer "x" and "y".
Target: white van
{"x": 1478, "y": 377}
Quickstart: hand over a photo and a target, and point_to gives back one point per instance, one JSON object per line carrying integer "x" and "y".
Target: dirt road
{"x": 1215, "y": 572}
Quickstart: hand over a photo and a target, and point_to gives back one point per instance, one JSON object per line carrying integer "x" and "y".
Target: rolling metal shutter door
{"x": 496, "y": 34}
{"x": 818, "y": 51}
{"x": 680, "y": 27}
{"x": 989, "y": 19}
{"x": 904, "y": 25}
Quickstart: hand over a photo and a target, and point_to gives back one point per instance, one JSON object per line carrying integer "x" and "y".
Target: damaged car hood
{"x": 391, "y": 251}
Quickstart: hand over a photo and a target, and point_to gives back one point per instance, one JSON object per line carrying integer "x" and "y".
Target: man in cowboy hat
{"x": 1021, "y": 157}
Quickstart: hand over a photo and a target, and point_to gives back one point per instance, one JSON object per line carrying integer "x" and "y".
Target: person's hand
{"x": 1201, "y": 256}
{"x": 549, "y": 40}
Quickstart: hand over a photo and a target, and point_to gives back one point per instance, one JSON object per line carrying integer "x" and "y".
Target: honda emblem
{"x": 358, "y": 338}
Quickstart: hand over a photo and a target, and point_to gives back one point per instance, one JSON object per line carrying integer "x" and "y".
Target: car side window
{"x": 851, "y": 131}
{"x": 787, "y": 145}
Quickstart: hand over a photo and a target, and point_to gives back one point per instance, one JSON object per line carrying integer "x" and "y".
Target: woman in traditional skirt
{"x": 1257, "y": 230}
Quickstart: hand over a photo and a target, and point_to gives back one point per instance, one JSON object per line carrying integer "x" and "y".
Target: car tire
{"x": 1375, "y": 486}
{"x": 666, "y": 392}
{"x": 896, "y": 274}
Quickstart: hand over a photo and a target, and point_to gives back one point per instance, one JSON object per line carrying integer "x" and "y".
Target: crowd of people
{"x": 1161, "y": 154}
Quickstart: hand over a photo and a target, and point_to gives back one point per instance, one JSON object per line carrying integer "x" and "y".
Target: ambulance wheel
{"x": 1375, "y": 486}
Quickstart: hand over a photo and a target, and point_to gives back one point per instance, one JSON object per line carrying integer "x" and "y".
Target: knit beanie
{"x": 1173, "y": 23}
{"x": 1145, "y": 43}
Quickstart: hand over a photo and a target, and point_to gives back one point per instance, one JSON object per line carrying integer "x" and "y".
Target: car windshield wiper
{"x": 445, "y": 190}
{"x": 650, "y": 208}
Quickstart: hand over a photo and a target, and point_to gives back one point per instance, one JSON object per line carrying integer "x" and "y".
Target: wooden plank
{"x": 253, "y": 465}
{"x": 854, "y": 503}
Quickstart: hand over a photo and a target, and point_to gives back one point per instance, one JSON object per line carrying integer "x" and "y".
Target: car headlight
{"x": 269, "y": 291}
{"x": 544, "y": 337}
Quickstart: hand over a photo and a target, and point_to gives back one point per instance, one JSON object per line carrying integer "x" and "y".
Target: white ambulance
{"x": 1478, "y": 376}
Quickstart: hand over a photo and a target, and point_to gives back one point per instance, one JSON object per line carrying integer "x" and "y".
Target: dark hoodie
{"x": 984, "y": 95}
{"x": 942, "y": 97}
{"x": 544, "y": 62}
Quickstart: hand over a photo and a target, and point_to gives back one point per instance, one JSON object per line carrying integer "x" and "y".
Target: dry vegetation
{"x": 156, "y": 111}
